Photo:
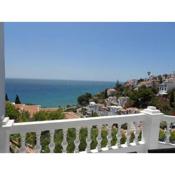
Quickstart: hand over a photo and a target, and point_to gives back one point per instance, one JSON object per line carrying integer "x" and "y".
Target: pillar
{"x": 2, "y": 74}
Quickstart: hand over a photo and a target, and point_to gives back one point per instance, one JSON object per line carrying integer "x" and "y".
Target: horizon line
{"x": 112, "y": 81}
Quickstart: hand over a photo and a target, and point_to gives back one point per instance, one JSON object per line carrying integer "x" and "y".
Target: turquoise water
{"x": 52, "y": 93}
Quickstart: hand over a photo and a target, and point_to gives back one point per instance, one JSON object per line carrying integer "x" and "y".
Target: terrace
{"x": 145, "y": 124}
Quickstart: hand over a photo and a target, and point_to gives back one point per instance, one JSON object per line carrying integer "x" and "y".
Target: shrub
{"x": 162, "y": 135}
{"x": 12, "y": 112}
{"x": 83, "y": 100}
{"x": 43, "y": 115}
{"x": 172, "y": 136}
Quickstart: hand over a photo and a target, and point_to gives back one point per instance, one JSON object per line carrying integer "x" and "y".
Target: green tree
{"x": 142, "y": 97}
{"x": 6, "y": 97}
{"x": 140, "y": 80}
{"x": 162, "y": 135}
{"x": 83, "y": 100}
{"x": 160, "y": 79}
{"x": 172, "y": 100}
{"x": 149, "y": 73}
{"x": 118, "y": 85}
{"x": 12, "y": 112}
{"x": 162, "y": 104}
{"x": 23, "y": 117}
{"x": 15, "y": 114}
{"x": 17, "y": 100}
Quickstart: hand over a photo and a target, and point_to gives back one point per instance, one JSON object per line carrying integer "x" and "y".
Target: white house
{"x": 114, "y": 109}
{"x": 93, "y": 107}
{"x": 112, "y": 100}
{"x": 122, "y": 101}
{"x": 166, "y": 86}
{"x": 111, "y": 92}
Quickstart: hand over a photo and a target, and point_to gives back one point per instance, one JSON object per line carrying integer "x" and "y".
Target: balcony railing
{"x": 145, "y": 127}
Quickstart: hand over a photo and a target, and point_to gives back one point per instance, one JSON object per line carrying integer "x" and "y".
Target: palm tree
{"x": 149, "y": 73}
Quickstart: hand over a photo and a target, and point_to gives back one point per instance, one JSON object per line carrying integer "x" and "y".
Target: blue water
{"x": 52, "y": 93}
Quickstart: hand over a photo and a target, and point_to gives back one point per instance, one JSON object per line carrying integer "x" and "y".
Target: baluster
{"x": 109, "y": 137}
{"x": 128, "y": 134}
{"x": 136, "y": 133}
{"x": 88, "y": 140}
{"x": 10, "y": 145}
{"x": 168, "y": 133}
{"x": 23, "y": 146}
{"x": 142, "y": 129}
{"x": 38, "y": 143}
{"x": 52, "y": 143}
{"x": 64, "y": 143}
{"x": 99, "y": 139}
{"x": 77, "y": 140}
{"x": 119, "y": 135}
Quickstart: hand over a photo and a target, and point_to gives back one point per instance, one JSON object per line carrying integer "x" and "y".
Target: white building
{"x": 114, "y": 109}
{"x": 122, "y": 101}
{"x": 111, "y": 92}
{"x": 132, "y": 82}
{"x": 93, "y": 108}
{"x": 111, "y": 101}
{"x": 166, "y": 86}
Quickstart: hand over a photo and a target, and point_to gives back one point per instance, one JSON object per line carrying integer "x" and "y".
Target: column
{"x": 151, "y": 128}
{"x": 2, "y": 74}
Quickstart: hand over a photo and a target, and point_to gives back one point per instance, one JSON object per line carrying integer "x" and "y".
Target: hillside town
{"x": 117, "y": 103}
{"x": 118, "y": 100}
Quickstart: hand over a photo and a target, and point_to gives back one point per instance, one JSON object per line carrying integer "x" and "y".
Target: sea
{"x": 52, "y": 93}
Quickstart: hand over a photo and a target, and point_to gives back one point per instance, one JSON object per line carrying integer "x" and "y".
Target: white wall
{"x": 2, "y": 73}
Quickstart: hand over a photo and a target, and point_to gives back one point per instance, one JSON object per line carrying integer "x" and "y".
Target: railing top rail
{"x": 167, "y": 118}
{"x": 73, "y": 123}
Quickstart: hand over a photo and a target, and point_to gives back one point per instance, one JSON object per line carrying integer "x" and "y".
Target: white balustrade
{"x": 147, "y": 122}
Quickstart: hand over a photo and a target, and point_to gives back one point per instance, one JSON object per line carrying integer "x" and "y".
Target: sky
{"x": 89, "y": 51}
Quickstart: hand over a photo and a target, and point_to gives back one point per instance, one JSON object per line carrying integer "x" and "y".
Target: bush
{"x": 43, "y": 115}
{"x": 163, "y": 125}
{"x": 162, "y": 135}
{"x": 12, "y": 112}
{"x": 172, "y": 137}
{"x": 83, "y": 100}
